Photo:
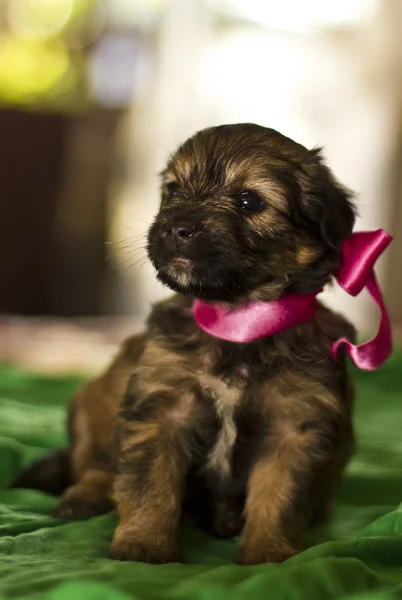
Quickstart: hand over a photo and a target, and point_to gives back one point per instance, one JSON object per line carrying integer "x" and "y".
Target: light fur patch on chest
{"x": 226, "y": 399}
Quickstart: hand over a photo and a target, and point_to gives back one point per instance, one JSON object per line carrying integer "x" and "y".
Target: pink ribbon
{"x": 359, "y": 253}
{"x": 260, "y": 319}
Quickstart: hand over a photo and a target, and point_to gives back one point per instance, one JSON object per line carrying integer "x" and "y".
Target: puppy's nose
{"x": 181, "y": 233}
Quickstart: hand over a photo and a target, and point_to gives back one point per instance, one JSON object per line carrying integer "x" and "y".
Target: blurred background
{"x": 94, "y": 96}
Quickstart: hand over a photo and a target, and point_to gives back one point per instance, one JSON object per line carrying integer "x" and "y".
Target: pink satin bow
{"x": 260, "y": 319}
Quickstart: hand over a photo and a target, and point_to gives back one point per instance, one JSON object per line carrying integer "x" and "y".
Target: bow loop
{"x": 360, "y": 252}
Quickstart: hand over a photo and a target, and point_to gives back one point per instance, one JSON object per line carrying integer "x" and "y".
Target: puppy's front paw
{"x": 248, "y": 554}
{"x": 80, "y": 502}
{"x": 157, "y": 551}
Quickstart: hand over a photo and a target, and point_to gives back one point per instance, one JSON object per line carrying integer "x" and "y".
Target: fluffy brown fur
{"x": 247, "y": 438}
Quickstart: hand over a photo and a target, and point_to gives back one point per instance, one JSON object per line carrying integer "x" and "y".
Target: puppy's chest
{"x": 226, "y": 398}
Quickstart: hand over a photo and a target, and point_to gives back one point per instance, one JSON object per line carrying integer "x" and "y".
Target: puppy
{"x": 241, "y": 438}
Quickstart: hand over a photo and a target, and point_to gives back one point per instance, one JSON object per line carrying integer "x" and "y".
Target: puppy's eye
{"x": 249, "y": 201}
{"x": 172, "y": 189}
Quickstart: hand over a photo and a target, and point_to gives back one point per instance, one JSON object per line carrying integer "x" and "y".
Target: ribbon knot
{"x": 359, "y": 253}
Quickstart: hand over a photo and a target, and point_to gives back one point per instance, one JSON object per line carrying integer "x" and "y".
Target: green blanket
{"x": 359, "y": 555}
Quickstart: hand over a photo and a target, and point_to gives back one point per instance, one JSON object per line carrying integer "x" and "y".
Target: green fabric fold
{"x": 359, "y": 555}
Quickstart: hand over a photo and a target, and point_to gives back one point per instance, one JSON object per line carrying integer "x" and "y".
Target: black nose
{"x": 181, "y": 233}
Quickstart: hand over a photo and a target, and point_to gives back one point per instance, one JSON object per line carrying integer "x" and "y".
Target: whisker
{"x": 132, "y": 238}
{"x": 136, "y": 256}
{"x": 138, "y": 219}
{"x": 138, "y": 231}
{"x": 136, "y": 264}
{"x": 142, "y": 264}
{"x": 130, "y": 247}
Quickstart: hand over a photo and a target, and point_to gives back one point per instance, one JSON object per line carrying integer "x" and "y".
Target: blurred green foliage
{"x": 43, "y": 54}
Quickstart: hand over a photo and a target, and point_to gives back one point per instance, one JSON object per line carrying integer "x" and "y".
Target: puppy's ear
{"x": 327, "y": 204}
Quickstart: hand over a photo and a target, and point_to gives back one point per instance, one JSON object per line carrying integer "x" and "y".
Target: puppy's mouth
{"x": 180, "y": 266}
{"x": 179, "y": 274}
{"x": 189, "y": 278}
{"x": 181, "y": 260}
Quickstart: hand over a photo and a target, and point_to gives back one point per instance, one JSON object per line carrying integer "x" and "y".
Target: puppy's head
{"x": 248, "y": 214}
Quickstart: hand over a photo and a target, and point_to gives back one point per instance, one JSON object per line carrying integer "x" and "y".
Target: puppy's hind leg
{"x": 330, "y": 479}
{"x": 87, "y": 498}
{"x": 81, "y": 473}
{"x": 92, "y": 429}
{"x": 92, "y": 466}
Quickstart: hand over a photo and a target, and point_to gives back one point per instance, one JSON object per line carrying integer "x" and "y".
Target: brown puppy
{"x": 240, "y": 437}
